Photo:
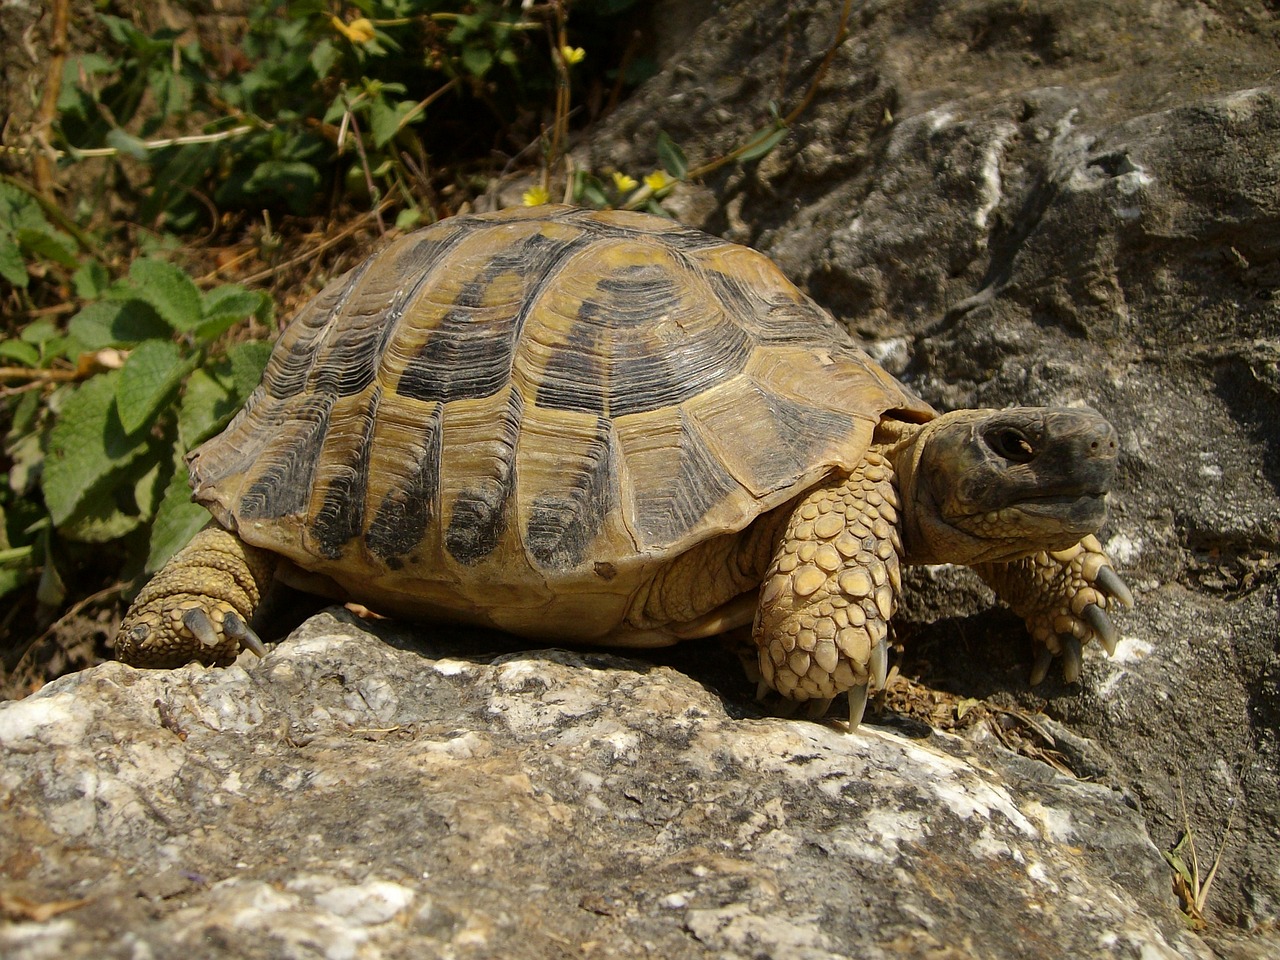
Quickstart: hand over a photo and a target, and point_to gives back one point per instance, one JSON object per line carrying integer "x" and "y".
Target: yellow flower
{"x": 572, "y": 55}
{"x": 535, "y": 196}
{"x": 357, "y": 31}
{"x": 624, "y": 183}
{"x": 657, "y": 181}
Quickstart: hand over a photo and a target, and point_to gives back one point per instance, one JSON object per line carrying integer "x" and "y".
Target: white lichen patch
{"x": 371, "y": 902}
{"x": 450, "y": 667}
{"x": 49, "y": 718}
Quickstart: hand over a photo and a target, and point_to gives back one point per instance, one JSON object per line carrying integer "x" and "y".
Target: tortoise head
{"x": 995, "y": 485}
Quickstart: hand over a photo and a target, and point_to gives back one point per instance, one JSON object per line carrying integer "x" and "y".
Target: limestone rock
{"x": 351, "y": 796}
{"x": 1056, "y": 202}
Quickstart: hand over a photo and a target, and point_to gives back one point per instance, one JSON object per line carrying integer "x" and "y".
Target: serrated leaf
{"x": 760, "y": 148}
{"x": 178, "y": 519}
{"x": 86, "y": 444}
{"x": 672, "y": 157}
{"x": 227, "y": 305}
{"x": 149, "y": 376}
{"x": 208, "y": 402}
{"x": 105, "y": 513}
{"x": 48, "y": 244}
{"x": 90, "y": 280}
{"x": 109, "y": 323}
{"x": 248, "y": 360}
{"x": 168, "y": 290}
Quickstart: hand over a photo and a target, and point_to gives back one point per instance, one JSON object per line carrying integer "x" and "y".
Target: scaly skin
{"x": 828, "y": 597}
{"x": 1060, "y": 595}
{"x": 199, "y": 605}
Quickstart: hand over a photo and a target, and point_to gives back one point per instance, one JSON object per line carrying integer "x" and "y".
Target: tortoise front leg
{"x": 823, "y": 623}
{"x": 198, "y": 606}
{"x": 1063, "y": 595}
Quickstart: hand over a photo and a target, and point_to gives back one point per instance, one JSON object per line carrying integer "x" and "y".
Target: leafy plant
{"x": 136, "y": 379}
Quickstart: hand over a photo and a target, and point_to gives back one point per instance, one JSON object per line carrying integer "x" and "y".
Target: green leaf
{"x": 86, "y": 445}
{"x": 38, "y": 332}
{"x": 178, "y": 519}
{"x": 48, "y": 244}
{"x": 169, "y": 290}
{"x": 294, "y": 182}
{"x": 761, "y": 147}
{"x": 107, "y": 512}
{"x": 385, "y": 119}
{"x": 323, "y": 57}
{"x": 90, "y": 280}
{"x": 23, "y": 353}
{"x": 51, "y": 590}
{"x": 13, "y": 267}
{"x": 248, "y": 360}
{"x": 208, "y": 402}
{"x": 117, "y": 323}
{"x": 671, "y": 156}
{"x": 149, "y": 376}
{"x": 408, "y": 218}
{"x": 227, "y": 305}
{"x": 477, "y": 60}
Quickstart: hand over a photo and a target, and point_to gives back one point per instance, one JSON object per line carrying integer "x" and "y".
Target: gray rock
{"x": 1059, "y": 202}
{"x": 353, "y": 796}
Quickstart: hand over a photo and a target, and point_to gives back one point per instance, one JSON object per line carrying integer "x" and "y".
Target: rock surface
{"x": 1046, "y": 202}
{"x": 351, "y": 796}
{"x": 1051, "y": 202}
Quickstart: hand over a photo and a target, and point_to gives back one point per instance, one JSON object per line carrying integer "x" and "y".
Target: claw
{"x": 1110, "y": 583}
{"x": 817, "y": 709}
{"x": 857, "y": 706}
{"x": 1040, "y": 669}
{"x": 238, "y": 630}
{"x": 201, "y": 627}
{"x": 762, "y": 690}
{"x": 1102, "y": 627}
{"x": 878, "y": 667}
{"x": 1071, "y": 658}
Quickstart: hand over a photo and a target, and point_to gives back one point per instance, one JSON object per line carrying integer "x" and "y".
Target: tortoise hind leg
{"x": 198, "y": 606}
{"x": 1063, "y": 595}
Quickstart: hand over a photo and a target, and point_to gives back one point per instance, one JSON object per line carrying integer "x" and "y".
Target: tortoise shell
{"x": 515, "y": 419}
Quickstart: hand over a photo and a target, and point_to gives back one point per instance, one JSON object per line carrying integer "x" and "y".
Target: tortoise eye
{"x": 1011, "y": 444}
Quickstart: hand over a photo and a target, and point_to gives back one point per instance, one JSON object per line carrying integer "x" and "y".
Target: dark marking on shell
{"x": 481, "y": 513}
{"x": 291, "y": 362}
{"x": 402, "y": 518}
{"x": 676, "y": 496}
{"x": 577, "y": 375}
{"x": 563, "y": 525}
{"x": 640, "y": 345}
{"x": 340, "y": 517}
{"x": 464, "y": 359}
{"x": 282, "y": 486}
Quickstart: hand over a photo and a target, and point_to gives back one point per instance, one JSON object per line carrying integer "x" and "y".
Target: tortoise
{"x": 607, "y": 428}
